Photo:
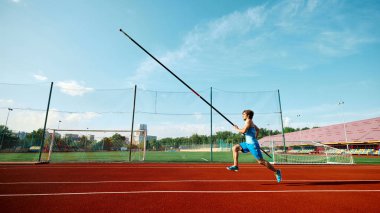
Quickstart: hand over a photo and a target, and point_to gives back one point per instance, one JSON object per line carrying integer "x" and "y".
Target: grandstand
{"x": 359, "y": 137}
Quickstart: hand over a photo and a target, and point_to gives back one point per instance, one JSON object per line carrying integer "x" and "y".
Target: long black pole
{"x": 211, "y": 144}
{"x": 133, "y": 121}
{"x": 216, "y": 110}
{"x": 46, "y": 118}
{"x": 282, "y": 122}
{"x": 176, "y": 77}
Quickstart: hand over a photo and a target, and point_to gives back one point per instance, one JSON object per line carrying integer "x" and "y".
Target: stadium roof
{"x": 355, "y": 132}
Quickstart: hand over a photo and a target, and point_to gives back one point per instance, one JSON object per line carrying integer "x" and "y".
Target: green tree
{"x": 96, "y": 146}
{"x": 82, "y": 142}
{"x": 61, "y": 144}
{"x": 195, "y": 139}
{"x": 289, "y": 129}
{"x": 167, "y": 142}
{"x": 35, "y": 137}
{"x": 223, "y": 135}
{"x": 154, "y": 144}
{"x": 118, "y": 141}
{"x": 7, "y": 138}
{"x": 107, "y": 144}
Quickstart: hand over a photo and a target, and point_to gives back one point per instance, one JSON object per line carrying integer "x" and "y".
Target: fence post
{"x": 211, "y": 153}
{"x": 133, "y": 121}
{"x": 46, "y": 117}
{"x": 282, "y": 122}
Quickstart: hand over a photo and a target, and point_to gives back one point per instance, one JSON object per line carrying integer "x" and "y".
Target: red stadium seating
{"x": 357, "y": 131}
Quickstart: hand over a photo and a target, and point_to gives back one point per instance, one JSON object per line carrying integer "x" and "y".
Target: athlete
{"x": 250, "y": 145}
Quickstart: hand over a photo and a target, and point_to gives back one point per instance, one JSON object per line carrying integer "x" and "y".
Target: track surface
{"x": 187, "y": 188}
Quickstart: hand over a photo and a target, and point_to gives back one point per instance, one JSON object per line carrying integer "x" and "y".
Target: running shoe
{"x": 278, "y": 176}
{"x": 233, "y": 168}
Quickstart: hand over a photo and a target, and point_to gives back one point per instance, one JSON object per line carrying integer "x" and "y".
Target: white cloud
{"x": 200, "y": 40}
{"x": 29, "y": 120}
{"x": 286, "y": 121}
{"x": 40, "y": 77}
{"x": 296, "y": 35}
{"x": 81, "y": 116}
{"x": 149, "y": 66}
{"x": 198, "y": 116}
{"x": 299, "y": 67}
{"x": 73, "y": 88}
{"x": 243, "y": 40}
{"x": 179, "y": 130}
{"x": 338, "y": 43}
{"x": 6, "y": 102}
{"x": 312, "y": 5}
{"x": 236, "y": 23}
{"x": 25, "y": 120}
{"x": 16, "y": 1}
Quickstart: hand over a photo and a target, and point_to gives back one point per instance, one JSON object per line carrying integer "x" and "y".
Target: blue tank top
{"x": 250, "y": 136}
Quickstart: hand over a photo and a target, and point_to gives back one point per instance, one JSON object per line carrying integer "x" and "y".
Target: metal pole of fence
{"x": 46, "y": 117}
{"x": 6, "y": 124}
{"x": 133, "y": 121}
{"x": 282, "y": 122}
{"x": 211, "y": 157}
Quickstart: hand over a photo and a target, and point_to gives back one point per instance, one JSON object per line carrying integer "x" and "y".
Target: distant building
{"x": 150, "y": 138}
{"x": 74, "y": 137}
{"x": 90, "y": 137}
{"x": 126, "y": 140}
{"x": 143, "y": 127}
{"x": 20, "y": 135}
{"x": 57, "y": 135}
{"x": 141, "y": 135}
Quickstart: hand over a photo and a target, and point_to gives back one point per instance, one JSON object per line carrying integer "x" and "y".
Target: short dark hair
{"x": 249, "y": 112}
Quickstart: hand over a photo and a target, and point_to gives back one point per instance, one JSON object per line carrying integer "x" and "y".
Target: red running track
{"x": 187, "y": 188}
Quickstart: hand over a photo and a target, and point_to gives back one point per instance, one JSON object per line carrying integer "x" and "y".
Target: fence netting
{"x": 178, "y": 125}
{"x": 22, "y": 112}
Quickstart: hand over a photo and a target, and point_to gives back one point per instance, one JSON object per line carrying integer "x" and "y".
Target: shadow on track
{"x": 333, "y": 183}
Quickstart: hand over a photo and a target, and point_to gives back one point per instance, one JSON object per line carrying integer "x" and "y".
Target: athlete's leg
{"x": 255, "y": 150}
{"x": 266, "y": 164}
{"x": 235, "y": 152}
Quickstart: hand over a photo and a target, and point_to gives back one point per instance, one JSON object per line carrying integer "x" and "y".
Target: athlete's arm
{"x": 245, "y": 128}
{"x": 257, "y": 130}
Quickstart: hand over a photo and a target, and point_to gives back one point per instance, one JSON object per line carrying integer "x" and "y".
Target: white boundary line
{"x": 186, "y": 167}
{"x": 202, "y": 192}
{"x": 176, "y": 181}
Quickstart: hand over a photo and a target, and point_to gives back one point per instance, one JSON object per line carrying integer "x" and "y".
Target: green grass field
{"x": 119, "y": 156}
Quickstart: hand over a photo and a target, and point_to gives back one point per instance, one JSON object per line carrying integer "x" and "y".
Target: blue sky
{"x": 317, "y": 53}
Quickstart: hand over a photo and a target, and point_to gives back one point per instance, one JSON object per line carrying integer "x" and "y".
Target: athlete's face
{"x": 244, "y": 116}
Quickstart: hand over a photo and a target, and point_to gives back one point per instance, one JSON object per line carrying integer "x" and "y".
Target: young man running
{"x": 250, "y": 145}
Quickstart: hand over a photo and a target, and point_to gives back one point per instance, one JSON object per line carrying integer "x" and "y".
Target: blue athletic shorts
{"x": 254, "y": 148}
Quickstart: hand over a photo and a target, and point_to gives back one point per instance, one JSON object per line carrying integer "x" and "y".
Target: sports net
{"x": 305, "y": 152}
{"x": 95, "y": 145}
{"x": 180, "y": 125}
{"x": 22, "y": 116}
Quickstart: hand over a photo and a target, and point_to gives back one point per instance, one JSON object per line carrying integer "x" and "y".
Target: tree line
{"x": 225, "y": 136}
{"x": 10, "y": 140}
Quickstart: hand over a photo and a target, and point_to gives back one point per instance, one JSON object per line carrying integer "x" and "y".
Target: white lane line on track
{"x": 191, "y": 167}
{"x": 175, "y": 181}
{"x": 201, "y": 192}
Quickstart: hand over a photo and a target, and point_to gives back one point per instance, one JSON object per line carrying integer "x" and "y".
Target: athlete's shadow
{"x": 332, "y": 183}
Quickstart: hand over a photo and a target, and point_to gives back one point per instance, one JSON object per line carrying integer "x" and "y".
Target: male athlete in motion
{"x": 250, "y": 145}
